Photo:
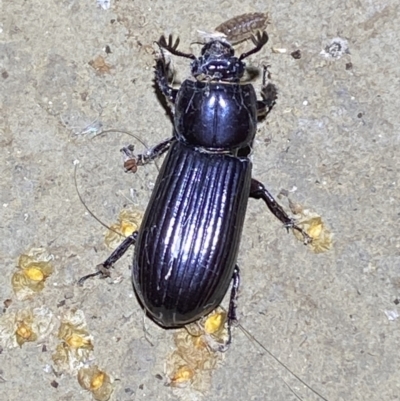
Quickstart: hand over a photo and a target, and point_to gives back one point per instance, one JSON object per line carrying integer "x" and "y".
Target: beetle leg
{"x": 268, "y": 94}
{"x": 161, "y": 78}
{"x": 258, "y": 191}
{"x": 103, "y": 268}
{"x": 162, "y": 66}
{"x": 231, "y": 317}
{"x": 132, "y": 161}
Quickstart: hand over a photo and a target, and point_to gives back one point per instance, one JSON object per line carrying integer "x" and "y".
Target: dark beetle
{"x": 187, "y": 246}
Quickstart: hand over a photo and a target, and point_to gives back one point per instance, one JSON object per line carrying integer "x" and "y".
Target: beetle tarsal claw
{"x": 223, "y": 347}
{"x": 103, "y": 270}
{"x": 84, "y": 278}
{"x": 306, "y": 238}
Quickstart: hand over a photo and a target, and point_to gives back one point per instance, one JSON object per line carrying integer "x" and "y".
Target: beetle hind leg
{"x": 103, "y": 269}
{"x": 231, "y": 316}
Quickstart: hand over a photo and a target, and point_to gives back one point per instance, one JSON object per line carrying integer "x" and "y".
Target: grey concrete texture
{"x": 333, "y": 140}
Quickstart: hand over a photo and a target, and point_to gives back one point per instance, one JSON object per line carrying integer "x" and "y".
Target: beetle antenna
{"x": 86, "y": 206}
{"x": 251, "y": 337}
{"x": 172, "y": 46}
{"x": 259, "y": 41}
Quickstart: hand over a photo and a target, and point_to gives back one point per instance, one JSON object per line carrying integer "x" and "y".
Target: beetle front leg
{"x": 132, "y": 161}
{"x": 103, "y": 268}
{"x": 162, "y": 66}
{"x": 258, "y": 191}
{"x": 161, "y": 78}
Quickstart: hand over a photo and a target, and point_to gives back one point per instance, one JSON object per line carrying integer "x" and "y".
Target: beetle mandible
{"x": 186, "y": 248}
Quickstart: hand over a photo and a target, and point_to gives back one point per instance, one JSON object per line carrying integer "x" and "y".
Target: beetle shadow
{"x": 252, "y": 74}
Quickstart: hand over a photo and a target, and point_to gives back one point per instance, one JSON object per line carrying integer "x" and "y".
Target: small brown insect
{"x": 243, "y": 26}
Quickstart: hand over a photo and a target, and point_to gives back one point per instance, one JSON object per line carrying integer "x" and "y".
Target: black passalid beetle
{"x": 187, "y": 245}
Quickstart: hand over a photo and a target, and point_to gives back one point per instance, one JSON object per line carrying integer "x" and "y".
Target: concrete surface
{"x": 334, "y": 135}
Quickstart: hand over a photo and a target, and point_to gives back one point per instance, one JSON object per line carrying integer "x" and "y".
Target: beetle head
{"x": 218, "y": 62}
